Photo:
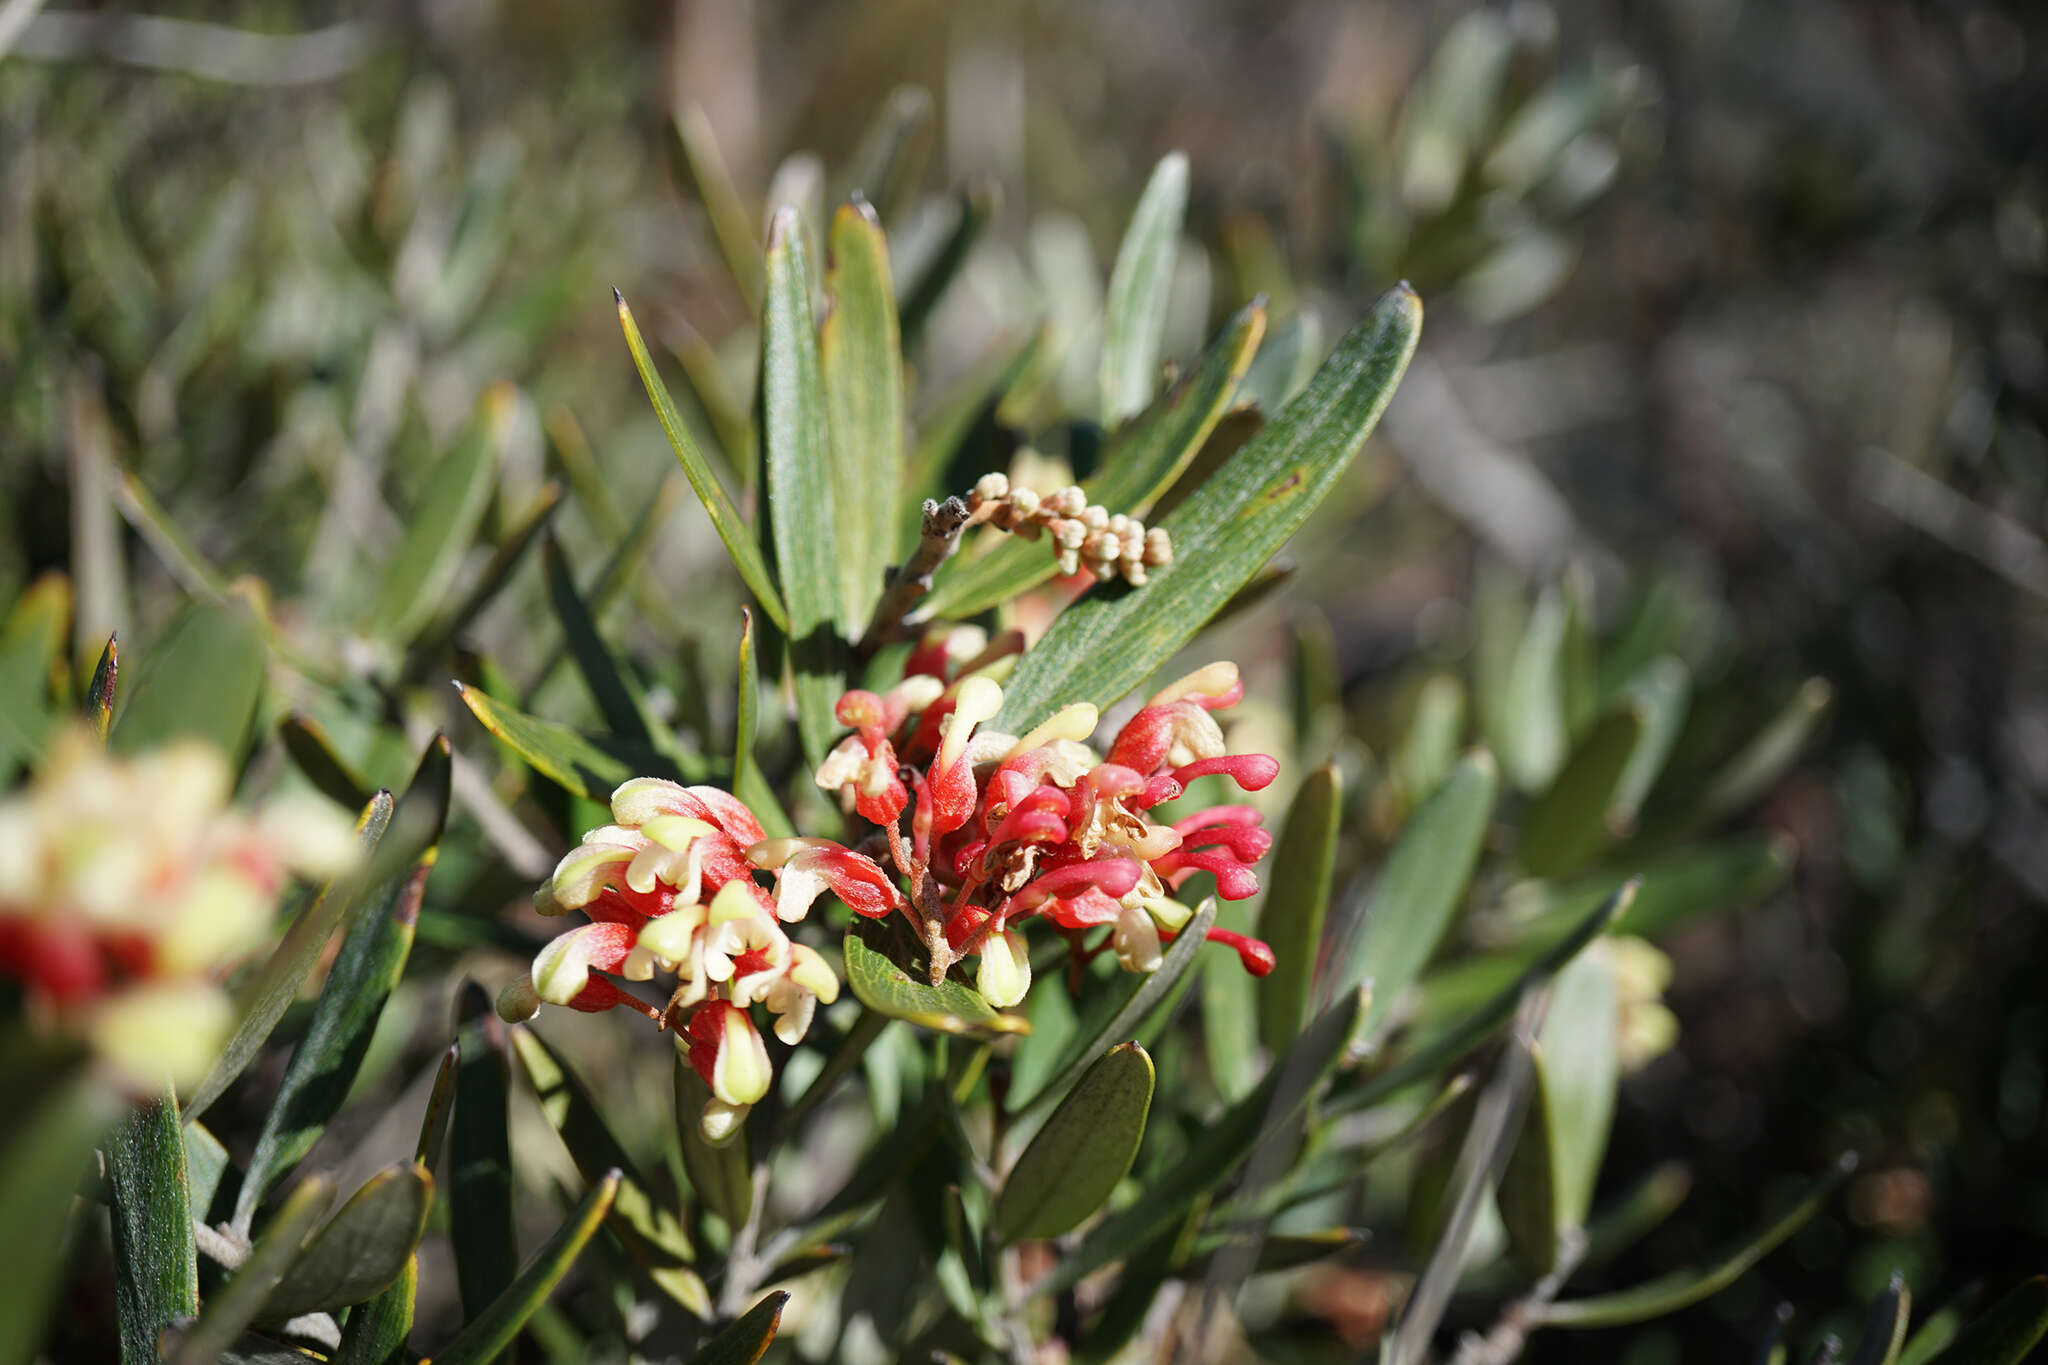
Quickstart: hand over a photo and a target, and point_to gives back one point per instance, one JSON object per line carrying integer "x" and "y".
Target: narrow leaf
{"x": 99, "y": 694}
{"x": 156, "y": 1261}
{"x": 2006, "y": 1331}
{"x": 803, "y": 520}
{"x": 201, "y": 680}
{"x": 919, "y": 290}
{"x": 746, "y": 1341}
{"x": 703, "y": 170}
{"x": 1578, "y": 1074}
{"x": 1076, "y": 1160}
{"x": 1760, "y": 763}
{"x": 749, "y": 783}
{"x": 861, "y": 365}
{"x": 440, "y": 1102}
{"x": 581, "y": 765}
{"x": 377, "y": 1331}
{"x": 480, "y": 1162}
{"x": 49, "y": 1147}
{"x": 438, "y": 535}
{"x": 1429, "y": 746}
{"x": 310, "y": 748}
{"x": 1421, "y": 886}
{"x": 886, "y": 988}
{"x": 1119, "y": 1016}
{"x": 235, "y": 1305}
{"x": 492, "y": 1330}
{"x": 1106, "y": 644}
{"x": 1302, "y": 870}
{"x": 601, "y": 674}
{"x": 725, "y": 519}
{"x": 1134, "y": 312}
{"x": 1528, "y": 1194}
{"x": 497, "y": 575}
{"x": 1521, "y": 694}
{"x": 363, "y": 1249}
{"x": 1571, "y": 821}
{"x": 276, "y": 984}
{"x": 892, "y": 151}
{"x": 1661, "y": 690}
{"x": 1228, "y": 998}
{"x": 722, "y": 1176}
{"x": 1669, "y": 1293}
{"x": 1884, "y": 1327}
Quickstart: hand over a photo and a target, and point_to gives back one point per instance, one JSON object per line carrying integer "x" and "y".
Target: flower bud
{"x": 1005, "y": 971}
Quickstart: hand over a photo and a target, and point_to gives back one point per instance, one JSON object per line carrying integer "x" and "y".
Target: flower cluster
{"x": 1004, "y": 828}
{"x": 670, "y": 887}
{"x": 128, "y": 888}
{"x": 1084, "y": 534}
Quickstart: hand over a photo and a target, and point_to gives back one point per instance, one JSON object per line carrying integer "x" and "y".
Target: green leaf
{"x": 861, "y": 365}
{"x": 489, "y": 1332}
{"x": 2006, "y": 1331}
{"x": 363, "y": 1248}
{"x": 1573, "y": 820}
{"x": 480, "y": 1161}
{"x": 1429, "y": 746}
{"x": 526, "y": 528}
{"x": 206, "y": 1162}
{"x": 583, "y": 766}
{"x": 892, "y": 151}
{"x": 1134, "y": 313}
{"x": 749, "y": 783}
{"x": 1075, "y": 1161}
{"x": 1228, "y": 997}
{"x": 803, "y": 520}
{"x": 1139, "y": 463}
{"x": 438, "y": 534}
{"x": 202, "y": 681}
{"x": 1300, "y": 876}
{"x": 171, "y": 544}
{"x": 1528, "y": 1194}
{"x": 700, "y": 166}
{"x": 650, "y": 1230}
{"x": 99, "y": 693}
{"x": 365, "y": 972}
{"x": 156, "y": 1261}
{"x": 1669, "y": 1293}
{"x": 877, "y": 982}
{"x": 746, "y": 1341}
{"x": 1122, "y": 1014}
{"x": 31, "y": 648}
{"x": 919, "y": 289}
{"x": 1474, "y": 1026}
{"x": 1218, "y": 1147}
{"x": 1106, "y": 644}
{"x": 230, "y": 1309}
{"x": 1421, "y": 886}
{"x": 276, "y": 984}
{"x": 1578, "y": 1072}
{"x": 722, "y": 1175}
{"x": 1884, "y": 1328}
{"x": 615, "y": 700}
{"x": 377, "y": 1331}
{"x": 1756, "y": 768}
{"x": 305, "y": 739}
{"x": 1521, "y": 696}
{"x": 725, "y": 519}
{"x": 1661, "y": 691}
{"x": 48, "y": 1149}
{"x": 440, "y": 1103}
{"x": 1620, "y": 1225}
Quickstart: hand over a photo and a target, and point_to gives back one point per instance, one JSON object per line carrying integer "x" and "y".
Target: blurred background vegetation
{"x": 1737, "y": 309}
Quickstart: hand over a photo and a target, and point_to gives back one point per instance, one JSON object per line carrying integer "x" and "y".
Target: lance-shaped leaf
{"x": 1669, "y": 1293}
{"x": 601, "y": 674}
{"x": 1123, "y": 1014}
{"x": 306, "y": 740}
{"x": 202, "y": 680}
{"x": 490, "y": 1331}
{"x": 581, "y": 765}
{"x": 1075, "y": 1161}
{"x": 722, "y": 1175}
{"x": 2006, "y": 1331}
{"x": 99, "y": 693}
{"x": 725, "y": 519}
{"x": 377, "y": 1331}
{"x": 1219, "y": 1147}
{"x": 1521, "y": 689}
{"x": 1528, "y": 1194}
{"x": 1578, "y": 1074}
{"x": 1429, "y": 746}
{"x": 1476, "y": 1025}
{"x": 1573, "y": 819}
{"x": 276, "y": 983}
{"x": 1884, "y": 1327}
{"x": 1140, "y": 284}
{"x": 206, "y": 1162}
{"x": 480, "y": 1160}
{"x": 860, "y": 359}
{"x": 892, "y": 151}
{"x": 1111, "y": 640}
{"x": 363, "y": 1248}
{"x": 1421, "y": 886}
{"x": 1303, "y": 869}
{"x": 1228, "y": 998}
{"x": 702, "y": 169}
{"x": 803, "y": 518}
{"x": 235, "y": 1305}
{"x": 651, "y": 1232}
{"x": 886, "y": 988}
{"x": 47, "y": 1148}
{"x": 749, "y": 783}
{"x": 438, "y": 534}
{"x": 746, "y": 1341}
{"x": 31, "y": 647}
{"x": 1758, "y": 765}
{"x": 1662, "y": 691}
{"x": 365, "y": 972}
{"x": 496, "y": 576}
{"x": 921, "y": 285}
{"x": 1139, "y": 463}
{"x": 156, "y": 1260}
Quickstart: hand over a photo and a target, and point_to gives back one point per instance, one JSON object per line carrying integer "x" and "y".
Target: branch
{"x": 909, "y": 582}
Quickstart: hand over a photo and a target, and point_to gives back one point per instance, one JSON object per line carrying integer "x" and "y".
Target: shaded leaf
{"x": 892, "y": 151}
{"x": 1758, "y": 765}
{"x": 201, "y": 680}
{"x": 310, "y": 748}
{"x": 490, "y": 1331}
{"x": 701, "y": 168}
{"x": 440, "y": 1102}
{"x": 230, "y": 1309}
{"x": 749, "y": 783}
{"x": 1134, "y": 312}
{"x": 1884, "y": 1327}
{"x": 921, "y": 285}
{"x": 601, "y": 674}
{"x": 884, "y": 987}
{"x": 1299, "y": 882}
{"x": 1571, "y": 821}
{"x": 438, "y": 534}
{"x": 377, "y": 1331}
{"x": 480, "y": 1162}
{"x": 2005, "y": 1332}
{"x": 722, "y": 1176}
{"x": 1429, "y": 745}
{"x": 1110, "y": 641}
{"x": 1074, "y": 1162}
{"x": 1228, "y": 997}
{"x": 746, "y": 1340}
{"x": 48, "y": 1148}
{"x": 363, "y": 1248}
{"x": 1528, "y": 1194}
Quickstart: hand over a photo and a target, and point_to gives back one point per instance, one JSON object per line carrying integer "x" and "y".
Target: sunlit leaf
{"x": 1134, "y": 312}
{"x": 883, "y": 986}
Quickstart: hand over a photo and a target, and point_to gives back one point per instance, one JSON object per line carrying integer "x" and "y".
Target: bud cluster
{"x": 1083, "y": 534}
{"x": 670, "y": 888}
{"x": 128, "y": 887}
{"x": 1004, "y": 829}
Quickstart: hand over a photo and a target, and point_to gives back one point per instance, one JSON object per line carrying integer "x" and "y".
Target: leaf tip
{"x": 619, "y": 299}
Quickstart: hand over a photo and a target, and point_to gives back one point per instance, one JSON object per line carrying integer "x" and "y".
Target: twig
{"x": 1504, "y": 1343}
{"x": 910, "y": 581}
